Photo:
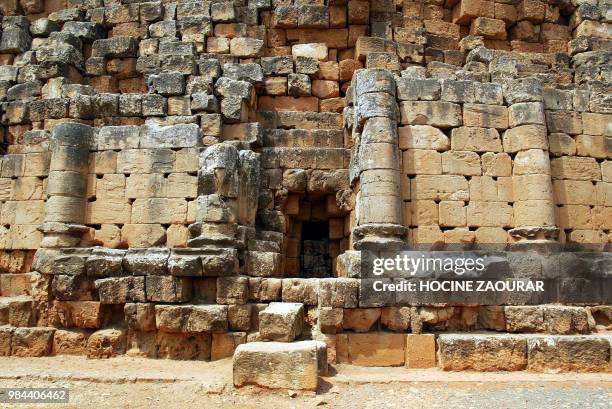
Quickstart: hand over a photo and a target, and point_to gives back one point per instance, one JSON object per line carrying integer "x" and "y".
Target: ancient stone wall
{"x": 181, "y": 177}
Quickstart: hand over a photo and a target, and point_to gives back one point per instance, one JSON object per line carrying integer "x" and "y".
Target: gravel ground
{"x": 134, "y": 383}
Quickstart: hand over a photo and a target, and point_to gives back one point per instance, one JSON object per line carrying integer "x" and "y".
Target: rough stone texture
{"x": 482, "y": 352}
{"x": 281, "y": 321}
{"x": 189, "y": 163}
{"x": 277, "y": 365}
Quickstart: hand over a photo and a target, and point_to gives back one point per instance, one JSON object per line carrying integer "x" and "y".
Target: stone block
{"x": 277, "y": 365}
{"x": 300, "y": 290}
{"x": 437, "y": 113}
{"x": 183, "y": 346}
{"x": 487, "y": 116}
{"x": 245, "y": 47}
{"x": 106, "y": 343}
{"x": 224, "y": 344}
{"x": 281, "y": 321}
{"x": 482, "y": 352}
{"x": 168, "y": 289}
{"x": 140, "y": 316}
{"x": 265, "y": 289}
{"x": 338, "y": 292}
{"x": 420, "y": 350}
{"x": 376, "y": 349}
{"x": 70, "y": 342}
{"x": 32, "y": 342}
{"x": 360, "y": 319}
{"x": 488, "y": 28}
{"x": 422, "y": 137}
{"x": 568, "y": 354}
{"x": 317, "y": 51}
{"x": 232, "y": 290}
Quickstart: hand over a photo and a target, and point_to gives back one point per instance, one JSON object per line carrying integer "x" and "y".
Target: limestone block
{"x": 300, "y": 290}
{"x": 496, "y": 164}
{"x": 475, "y": 139}
{"x": 79, "y": 314}
{"x": 490, "y": 214}
{"x": 140, "y": 316}
{"x": 465, "y": 11}
{"x": 596, "y": 124}
{"x": 277, "y": 364}
{"x": 436, "y": 113}
{"x": 376, "y": 349}
{"x": 526, "y": 113}
{"x": 159, "y": 210}
{"x": 224, "y": 344}
{"x": 409, "y": 89}
{"x": 488, "y": 28}
{"x": 263, "y": 264}
{"x": 593, "y": 146}
{"x": 281, "y": 321}
{"x": 119, "y": 290}
{"x": 575, "y": 168}
{"x": 168, "y": 289}
{"x": 488, "y": 116}
{"x": 338, "y": 292}
{"x": 420, "y": 350}
{"x": 317, "y": 51}
{"x": 183, "y": 346}
{"x": 176, "y": 136}
{"x": 569, "y": 122}
{"x": 422, "y": 137}
{"x": 330, "y": 319}
{"x": 145, "y": 161}
{"x": 70, "y": 342}
{"x": 482, "y": 352}
{"x": 360, "y": 319}
{"x": 245, "y": 47}
{"x": 232, "y": 290}
{"x": 568, "y": 353}
{"x": 395, "y": 318}
{"x": 207, "y": 318}
{"x": 461, "y": 163}
{"x": 574, "y": 192}
{"x": 423, "y": 162}
{"x": 143, "y": 235}
{"x": 423, "y": 212}
{"x": 106, "y": 343}
{"x": 265, "y": 289}
{"x": 452, "y": 213}
{"x": 446, "y": 187}
{"x": 105, "y": 262}
{"x": 31, "y": 342}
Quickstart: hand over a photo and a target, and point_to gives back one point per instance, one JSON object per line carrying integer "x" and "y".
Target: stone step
{"x": 304, "y": 138}
{"x": 281, "y": 321}
{"x": 17, "y": 311}
{"x": 538, "y": 353}
{"x": 280, "y": 365}
{"x": 300, "y": 120}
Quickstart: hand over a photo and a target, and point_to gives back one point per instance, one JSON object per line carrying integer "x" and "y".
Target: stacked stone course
{"x": 180, "y": 178}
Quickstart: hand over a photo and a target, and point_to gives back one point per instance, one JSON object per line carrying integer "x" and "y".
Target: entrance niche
{"x": 315, "y": 236}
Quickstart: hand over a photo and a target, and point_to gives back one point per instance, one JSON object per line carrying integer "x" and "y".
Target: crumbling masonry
{"x": 183, "y": 179}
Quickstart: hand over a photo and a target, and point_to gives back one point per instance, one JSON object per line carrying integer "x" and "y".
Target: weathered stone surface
{"x": 281, "y": 321}
{"x": 568, "y": 354}
{"x": 30, "y": 342}
{"x": 277, "y": 365}
{"x": 482, "y": 352}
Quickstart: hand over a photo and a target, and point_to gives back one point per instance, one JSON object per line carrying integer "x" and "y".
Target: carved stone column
{"x": 375, "y": 166}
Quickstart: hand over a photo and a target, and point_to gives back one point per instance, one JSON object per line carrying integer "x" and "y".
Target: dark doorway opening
{"x": 315, "y": 261}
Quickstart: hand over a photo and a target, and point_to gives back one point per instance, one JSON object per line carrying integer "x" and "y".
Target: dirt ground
{"x": 142, "y": 383}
